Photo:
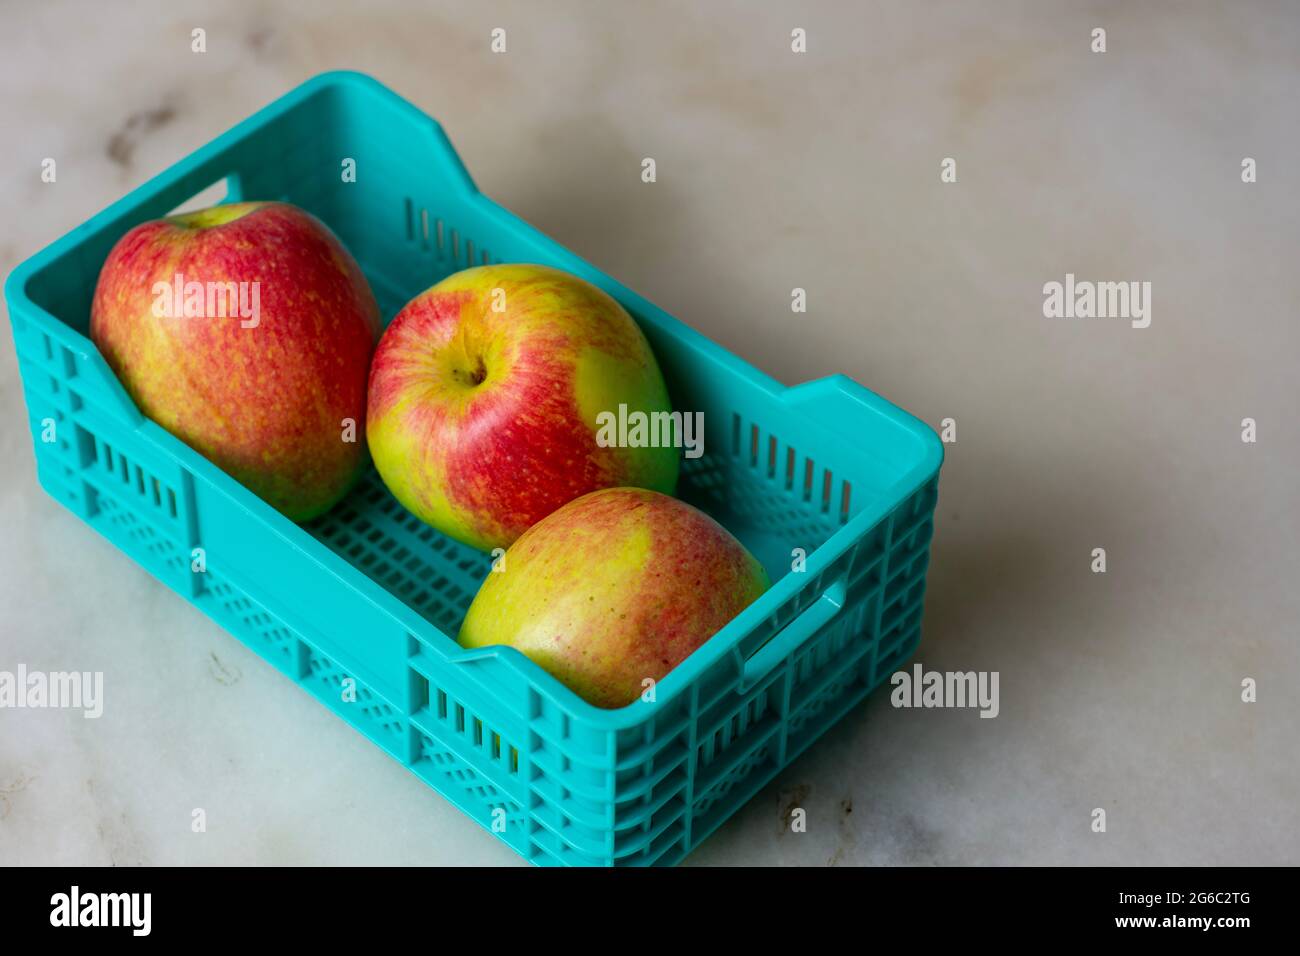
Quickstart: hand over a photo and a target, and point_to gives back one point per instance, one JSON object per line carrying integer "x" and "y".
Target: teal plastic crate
{"x": 367, "y": 592}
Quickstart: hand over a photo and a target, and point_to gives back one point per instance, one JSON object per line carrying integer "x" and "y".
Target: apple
{"x": 486, "y": 398}
{"x": 614, "y": 588}
{"x": 246, "y": 330}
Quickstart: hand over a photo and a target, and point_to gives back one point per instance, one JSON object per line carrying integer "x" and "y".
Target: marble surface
{"x": 1118, "y": 690}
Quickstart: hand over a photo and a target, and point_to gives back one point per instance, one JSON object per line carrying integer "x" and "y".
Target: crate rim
{"x": 681, "y": 678}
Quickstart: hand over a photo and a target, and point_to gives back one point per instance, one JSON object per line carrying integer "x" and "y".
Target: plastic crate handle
{"x": 786, "y": 641}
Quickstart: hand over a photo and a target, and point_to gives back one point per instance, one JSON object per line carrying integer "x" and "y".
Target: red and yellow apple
{"x": 613, "y": 589}
{"x": 485, "y": 393}
{"x": 246, "y": 330}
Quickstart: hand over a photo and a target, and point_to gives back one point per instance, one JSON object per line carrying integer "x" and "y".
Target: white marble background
{"x": 775, "y": 170}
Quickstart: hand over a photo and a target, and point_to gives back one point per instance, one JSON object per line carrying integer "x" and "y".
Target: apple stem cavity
{"x": 471, "y": 378}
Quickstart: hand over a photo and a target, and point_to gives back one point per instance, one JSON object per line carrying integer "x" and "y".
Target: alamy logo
{"x": 191, "y": 299}
{"x": 638, "y": 429}
{"x": 1099, "y": 300}
{"x": 102, "y": 909}
{"x": 923, "y": 688}
{"x": 72, "y": 690}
